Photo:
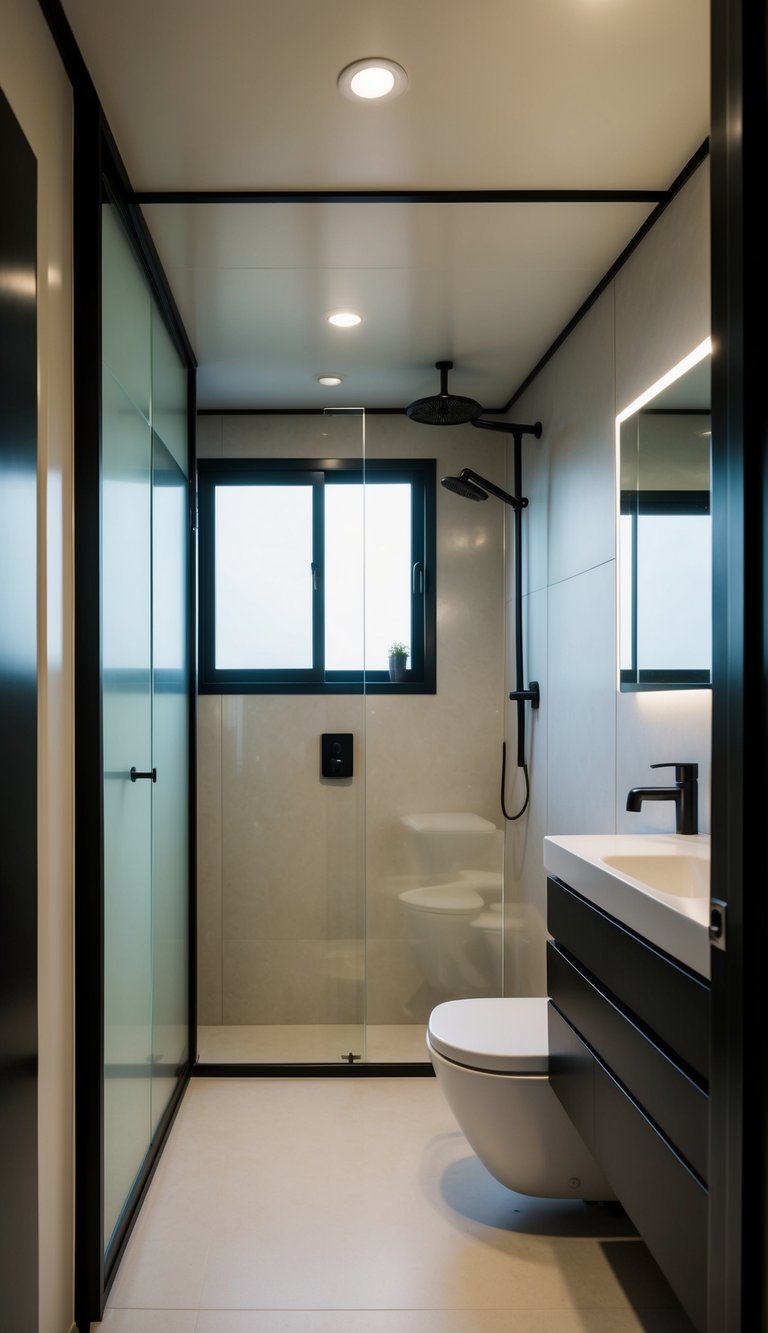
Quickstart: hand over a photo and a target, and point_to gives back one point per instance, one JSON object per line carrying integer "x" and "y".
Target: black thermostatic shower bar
{"x": 472, "y": 486}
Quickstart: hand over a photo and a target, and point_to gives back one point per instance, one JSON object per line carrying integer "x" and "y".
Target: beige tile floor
{"x": 354, "y": 1205}
{"x": 261, "y": 1043}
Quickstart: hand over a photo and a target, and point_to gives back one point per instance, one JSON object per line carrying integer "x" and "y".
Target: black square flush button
{"x": 336, "y": 754}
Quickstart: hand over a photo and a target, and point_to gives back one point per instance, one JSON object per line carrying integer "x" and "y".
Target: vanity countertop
{"x": 656, "y": 884}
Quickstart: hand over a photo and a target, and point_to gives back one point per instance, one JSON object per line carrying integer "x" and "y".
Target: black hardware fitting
{"x": 532, "y": 694}
{"x": 135, "y": 775}
{"x": 336, "y": 754}
{"x": 349, "y": 1058}
{"x": 717, "y": 923}
{"x": 684, "y": 793}
{"x": 683, "y": 772}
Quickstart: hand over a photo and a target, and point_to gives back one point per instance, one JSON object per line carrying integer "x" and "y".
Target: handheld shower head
{"x": 472, "y": 486}
{"x": 461, "y": 486}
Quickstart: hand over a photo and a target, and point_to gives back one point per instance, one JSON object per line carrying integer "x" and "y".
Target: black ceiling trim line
{"x": 680, "y": 180}
{"x": 399, "y": 196}
{"x": 307, "y": 411}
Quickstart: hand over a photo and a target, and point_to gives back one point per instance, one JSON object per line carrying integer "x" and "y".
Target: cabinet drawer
{"x": 677, "y": 1104}
{"x": 661, "y": 993}
{"x": 572, "y": 1075}
{"x": 665, "y": 1200}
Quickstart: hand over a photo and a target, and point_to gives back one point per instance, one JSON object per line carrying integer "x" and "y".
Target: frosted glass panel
{"x": 368, "y": 562}
{"x": 344, "y": 578}
{"x": 388, "y": 561}
{"x": 263, "y": 577}
{"x": 125, "y": 333}
{"x": 127, "y": 727}
{"x": 170, "y": 852}
{"x": 145, "y": 711}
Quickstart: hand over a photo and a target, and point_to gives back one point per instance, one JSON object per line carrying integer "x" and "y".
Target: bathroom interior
{"x": 381, "y": 853}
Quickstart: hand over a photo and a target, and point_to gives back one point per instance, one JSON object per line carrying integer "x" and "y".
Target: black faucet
{"x": 684, "y": 793}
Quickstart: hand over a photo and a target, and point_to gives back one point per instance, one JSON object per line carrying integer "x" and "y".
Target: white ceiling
{"x": 503, "y": 94}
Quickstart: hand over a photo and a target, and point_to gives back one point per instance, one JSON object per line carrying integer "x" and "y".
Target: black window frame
{"x": 420, "y": 474}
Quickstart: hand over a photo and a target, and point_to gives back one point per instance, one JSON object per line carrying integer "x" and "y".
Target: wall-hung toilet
{"x": 491, "y": 1059}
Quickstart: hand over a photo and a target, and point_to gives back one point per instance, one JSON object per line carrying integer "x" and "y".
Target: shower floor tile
{"x": 356, "y": 1206}
{"x": 399, "y": 1043}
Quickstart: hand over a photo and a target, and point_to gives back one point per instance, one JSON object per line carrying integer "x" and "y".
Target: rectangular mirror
{"x": 665, "y": 533}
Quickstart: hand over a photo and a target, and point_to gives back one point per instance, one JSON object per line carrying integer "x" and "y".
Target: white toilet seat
{"x": 501, "y": 1036}
{"x": 457, "y": 898}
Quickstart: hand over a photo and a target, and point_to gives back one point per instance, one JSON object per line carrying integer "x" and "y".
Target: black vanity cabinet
{"x": 629, "y": 1060}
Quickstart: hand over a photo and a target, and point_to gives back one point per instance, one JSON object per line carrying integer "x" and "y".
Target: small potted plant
{"x": 398, "y": 656}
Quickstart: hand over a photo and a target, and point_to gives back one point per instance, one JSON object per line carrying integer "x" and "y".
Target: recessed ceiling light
{"x": 373, "y": 80}
{"x": 329, "y": 380}
{"x": 344, "y": 319}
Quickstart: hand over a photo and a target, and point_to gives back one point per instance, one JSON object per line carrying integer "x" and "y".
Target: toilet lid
{"x": 457, "y": 897}
{"x": 503, "y": 1036}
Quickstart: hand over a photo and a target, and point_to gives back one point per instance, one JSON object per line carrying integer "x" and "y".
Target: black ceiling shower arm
{"x": 509, "y": 428}
{"x": 467, "y": 474}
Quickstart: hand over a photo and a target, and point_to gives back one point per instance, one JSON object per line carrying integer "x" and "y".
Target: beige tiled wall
{"x": 299, "y": 876}
{"x": 589, "y": 743}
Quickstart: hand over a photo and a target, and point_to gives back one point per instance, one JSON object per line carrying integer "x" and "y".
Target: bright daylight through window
{"x": 311, "y": 571}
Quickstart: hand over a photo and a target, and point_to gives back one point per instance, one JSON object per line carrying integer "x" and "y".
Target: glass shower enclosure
{"x": 335, "y": 909}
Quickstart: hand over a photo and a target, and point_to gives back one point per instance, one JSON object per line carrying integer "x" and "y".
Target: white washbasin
{"x": 657, "y": 884}
{"x": 683, "y": 876}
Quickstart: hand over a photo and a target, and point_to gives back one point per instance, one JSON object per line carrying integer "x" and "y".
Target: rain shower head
{"x": 450, "y": 409}
{"x": 472, "y": 486}
{"x": 444, "y": 408}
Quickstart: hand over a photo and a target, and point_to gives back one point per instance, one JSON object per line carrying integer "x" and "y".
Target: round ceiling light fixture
{"x": 329, "y": 380}
{"x": 372, "y": 80}
{"x": 344, "y": 319}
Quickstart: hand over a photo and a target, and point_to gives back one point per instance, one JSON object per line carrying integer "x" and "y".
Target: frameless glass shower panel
{"x": 434, "y": 829}
{"x": 282, "y": 949}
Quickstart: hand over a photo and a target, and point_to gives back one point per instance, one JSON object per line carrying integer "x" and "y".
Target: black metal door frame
{"x": 738, "y": 1272}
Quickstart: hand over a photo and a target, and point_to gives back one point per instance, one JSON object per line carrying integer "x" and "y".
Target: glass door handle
{"x": 135, "y": 775}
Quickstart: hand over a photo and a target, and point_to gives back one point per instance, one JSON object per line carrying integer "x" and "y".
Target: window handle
{"x": 313, "y": 567}
{"x": 418, "y": 578}
{"x": 134, "y": 775}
